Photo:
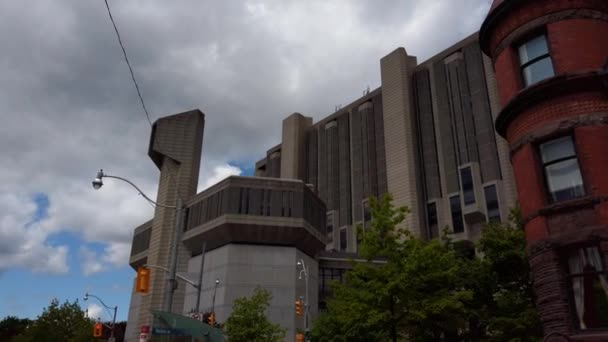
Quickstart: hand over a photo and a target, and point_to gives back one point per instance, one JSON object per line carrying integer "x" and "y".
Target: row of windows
{"x": 492, "y": 210}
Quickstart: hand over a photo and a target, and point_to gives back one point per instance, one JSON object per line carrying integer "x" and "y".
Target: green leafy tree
{"x": 408, "y": 289}
{"x": 60, "y": 323}
{"x": 248, "y": 322}
{"x": 12, "y": 326}
{"x": 506, "y": 286}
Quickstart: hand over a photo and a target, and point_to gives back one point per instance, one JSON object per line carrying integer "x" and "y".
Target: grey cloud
{"x": 68, "y": 107}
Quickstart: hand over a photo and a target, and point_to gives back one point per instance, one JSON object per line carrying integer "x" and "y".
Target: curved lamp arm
{"x": 98, "y": 182}
{"x": 87, "y": 295}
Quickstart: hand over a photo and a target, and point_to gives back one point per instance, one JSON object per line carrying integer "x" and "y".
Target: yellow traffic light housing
{"x": 212, "y": 319}
{"x": 299, "y": 337}
{"x": 143, "y": 280}
{"x": 299, "y": 307}
{"x": 98, "y": 330}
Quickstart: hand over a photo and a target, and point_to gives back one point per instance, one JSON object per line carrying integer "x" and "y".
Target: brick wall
{"x": 578, "y": 44}
{"x": 556, "y": 109}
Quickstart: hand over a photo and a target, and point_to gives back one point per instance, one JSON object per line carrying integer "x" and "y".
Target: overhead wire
{"x": 141, "y": 99}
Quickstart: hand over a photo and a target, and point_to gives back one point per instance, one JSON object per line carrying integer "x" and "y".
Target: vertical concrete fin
{"x": 293, "y": 146}
{"x": 396, "y": 73}
{"x": 175, "y": 147}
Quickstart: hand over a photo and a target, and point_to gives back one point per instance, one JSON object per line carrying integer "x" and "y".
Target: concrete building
{"x": 551, "y": 61}
{"x": 425, "y": 135}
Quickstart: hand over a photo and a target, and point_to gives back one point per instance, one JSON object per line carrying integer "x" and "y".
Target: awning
{"x": 170, "y": 324}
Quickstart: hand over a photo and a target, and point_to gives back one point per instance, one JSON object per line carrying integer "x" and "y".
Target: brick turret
{"x": 550, "y": 60}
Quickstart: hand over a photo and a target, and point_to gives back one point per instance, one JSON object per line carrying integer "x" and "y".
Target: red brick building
{"x": 551, "y": 63}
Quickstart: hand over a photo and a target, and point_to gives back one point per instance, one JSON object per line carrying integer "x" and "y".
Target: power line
{"x": 141, "y": 99}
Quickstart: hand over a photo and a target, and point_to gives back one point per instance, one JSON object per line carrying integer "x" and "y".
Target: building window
{"x": 367, "y": 213}
{"x": 457, "y": 223}
{"x": 330, "y": 227}
{"x": 563, "y": 176}
{"x": 589, "y": 287}
{"x": 326, "y": 277}
{"x": 431, "y": 214}
{"x": 467, "y": 186}
{"x": 536, "y": 64}
{"x": 343, "y": 240}
{"x": 492, "y": 207}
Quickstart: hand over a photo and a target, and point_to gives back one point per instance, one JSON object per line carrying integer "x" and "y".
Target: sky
{"x": 68, "y": 107}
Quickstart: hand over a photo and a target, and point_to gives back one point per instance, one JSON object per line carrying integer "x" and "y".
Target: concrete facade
{"x": 425, "y": 136}
{"x": 415, "y": 137}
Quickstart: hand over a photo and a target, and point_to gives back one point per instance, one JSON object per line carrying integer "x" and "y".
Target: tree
{"x": 12, "y": 326}
{"x": 248, "y": 322}
{"x": 60, "y": 323}
{"x": 408, "y": 289}
{"x": 507, "y": 288}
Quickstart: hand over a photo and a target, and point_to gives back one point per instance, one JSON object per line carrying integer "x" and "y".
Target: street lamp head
{"x": 299, "y": 263}
{"x": 217, "y": 281}
{"x": 86, "y": 296}
{"x": 97, "y": 182}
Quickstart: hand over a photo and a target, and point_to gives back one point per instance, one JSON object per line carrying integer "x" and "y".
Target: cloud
{"x": 221, "y": 172}
{"x": 23, "y": 239}
{"x": 95, "y": 311}
{"x": 68, "y": 106}
{"x": 90, "y": 262}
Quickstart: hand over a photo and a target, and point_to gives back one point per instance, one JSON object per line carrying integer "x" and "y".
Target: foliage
{"x": 408, "y": 288}
{"x": 507, "y": 287}
{"x": 12, "y": 326}
{"x": 59, "y": 323}
{"x": 248, "y": 321}
{"x": 415, "y": 290}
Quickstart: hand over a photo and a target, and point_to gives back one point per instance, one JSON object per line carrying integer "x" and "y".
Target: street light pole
{"x": 115, "y": 308}
{"x": 172, "y": 284}
{"x": 217, "y": 282}
{"x": 306, "y": 302}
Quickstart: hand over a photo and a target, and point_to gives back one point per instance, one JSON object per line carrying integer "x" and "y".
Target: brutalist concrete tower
{"x": 175, "y": 148}
{"x": 550, "y": 59}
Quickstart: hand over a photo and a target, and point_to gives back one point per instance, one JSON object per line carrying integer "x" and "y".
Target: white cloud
{"x": 90, "y": 262}
{"x": 219, "y": 173}
{"x": 68, "y": 107}
{"x": 95, "y": 311}
{"x": 23, "y": 243}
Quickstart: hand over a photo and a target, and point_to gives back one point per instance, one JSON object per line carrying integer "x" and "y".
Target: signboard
{"x": 168, "y": 331}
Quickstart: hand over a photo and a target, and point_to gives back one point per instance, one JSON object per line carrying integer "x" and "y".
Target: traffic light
{"x": 98, "y": 330}
{"x": 299, "y": 307}
{"x": 143, "y": 280}
{"x": 212, "y": 319}
{"x": 299, "y": 337}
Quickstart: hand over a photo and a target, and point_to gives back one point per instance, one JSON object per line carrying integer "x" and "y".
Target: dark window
{"x": 457, "y": 223}
{"x": 367, "y": 213}
{"x": 467, "y": 186}
{"x": 326, "y": 277}
{"x": 564, "y": 180}
{"x": 284, "y": 203}
{"x": 492, "y": 206}
{"x": 330, "y": 227}
{"x": 535, "y": 60}
{"x": 431, "y": 214}
{"x": 343, "y": 240}
{"x": 588, "y": 287}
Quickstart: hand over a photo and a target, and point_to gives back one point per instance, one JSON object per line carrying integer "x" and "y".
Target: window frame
{"x": 548, "y": 192}
{"x": 564, "y": 253}
{"x": 343, "y": 230}
{"x": 485, "y": 195}
{"x": 428, "y": 219}
{"x": 522, "y": 66}
{"x": 470, "y": 191}
{"x": 460, "y": 216}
